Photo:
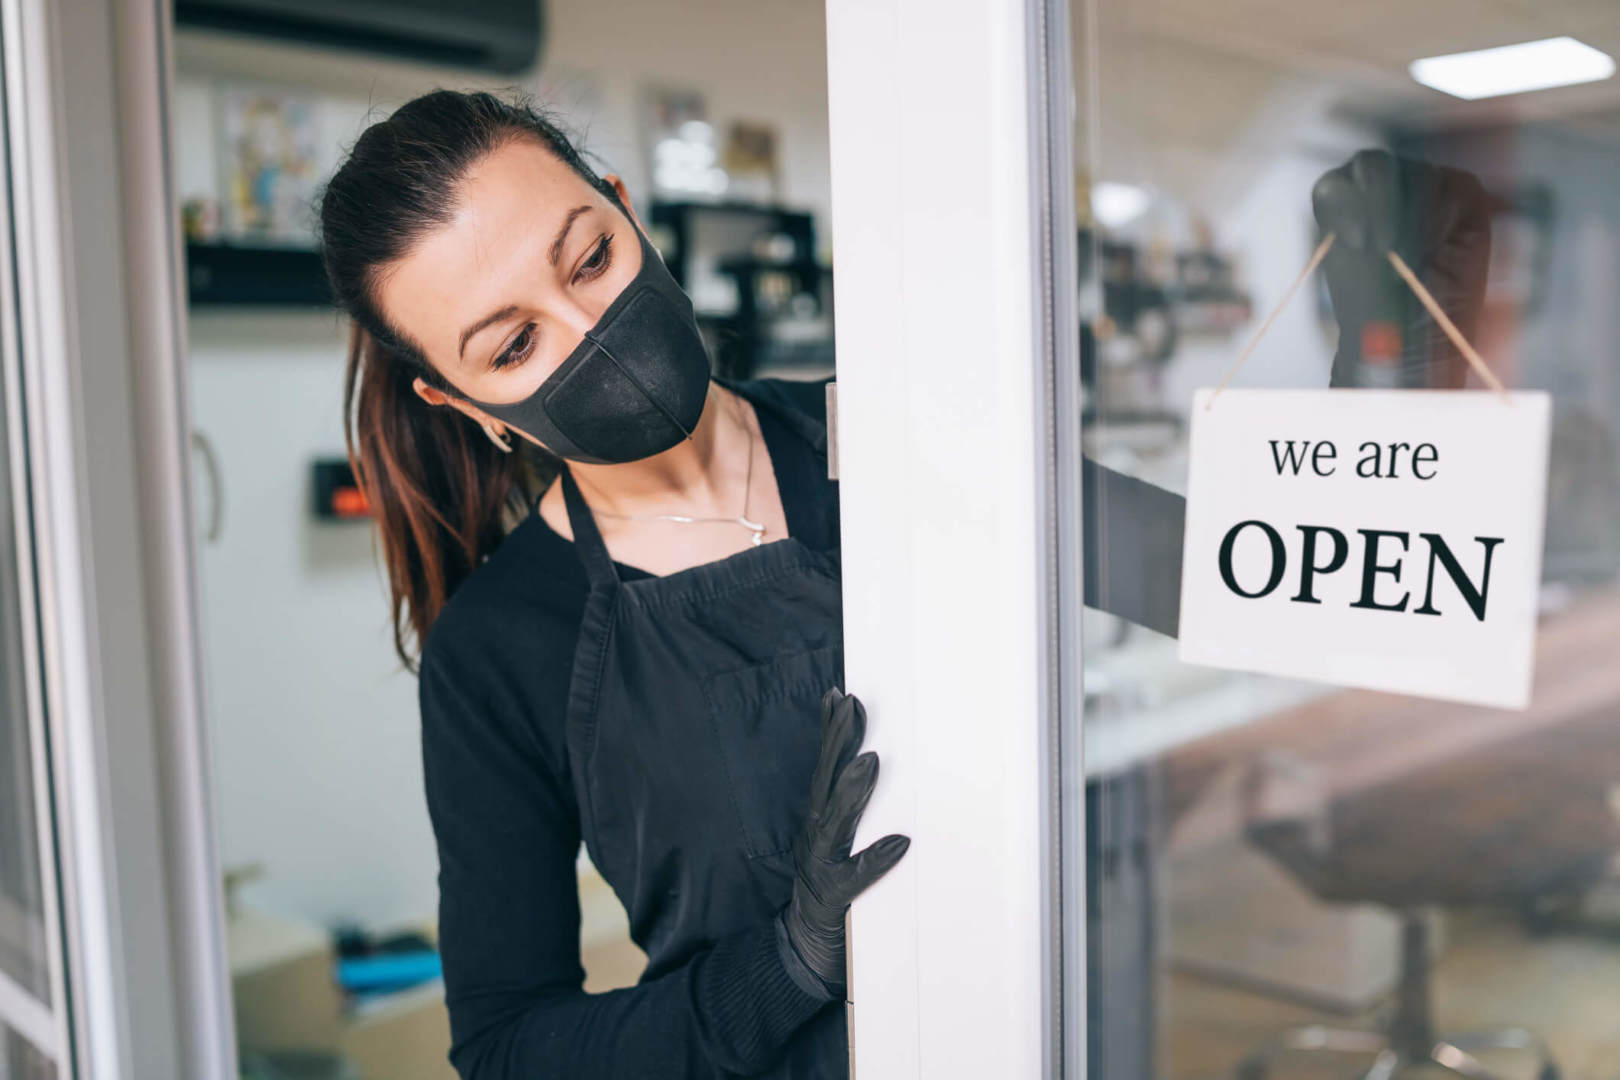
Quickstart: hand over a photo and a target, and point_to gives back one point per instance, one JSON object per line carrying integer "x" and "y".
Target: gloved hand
{"x": 810, "y": 930}
{"x": 1438, "y": 220}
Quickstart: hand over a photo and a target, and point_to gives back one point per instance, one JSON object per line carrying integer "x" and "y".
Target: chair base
{"x": 1456, "y": 1054}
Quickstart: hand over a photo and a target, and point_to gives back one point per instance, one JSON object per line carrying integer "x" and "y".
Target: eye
{"x": 518, "y": 351}
{"x": 601, "y": 258}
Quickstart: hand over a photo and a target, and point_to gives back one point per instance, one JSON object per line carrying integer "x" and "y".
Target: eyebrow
{"x": 493, "y": 317}
{"x": 562, "y": 233}
{"x": 509, "y": 310}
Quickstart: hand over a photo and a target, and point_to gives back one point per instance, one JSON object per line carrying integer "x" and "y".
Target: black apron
{"x": 692, "y": 733}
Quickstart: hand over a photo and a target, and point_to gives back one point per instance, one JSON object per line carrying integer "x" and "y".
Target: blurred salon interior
{"x": 715, "y": 114}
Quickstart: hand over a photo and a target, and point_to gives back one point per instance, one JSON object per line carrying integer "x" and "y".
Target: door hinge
{"x": 832, "y": 430}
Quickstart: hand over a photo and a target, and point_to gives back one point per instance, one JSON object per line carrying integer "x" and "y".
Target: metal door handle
{"x": 216, "y": 486}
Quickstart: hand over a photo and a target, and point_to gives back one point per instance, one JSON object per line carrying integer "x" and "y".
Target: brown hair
{"x": 441, "y": 493}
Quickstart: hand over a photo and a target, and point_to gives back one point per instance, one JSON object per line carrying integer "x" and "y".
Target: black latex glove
{"x": 1438, "y": 220}
{"x": 810, "y": 930}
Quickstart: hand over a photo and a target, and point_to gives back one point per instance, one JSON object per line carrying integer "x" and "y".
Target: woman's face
{"x": 501, "y": 294}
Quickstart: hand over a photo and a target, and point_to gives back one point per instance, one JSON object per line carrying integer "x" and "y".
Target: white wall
{"x": 314, "y": 724}
{"x": 752, "y": 60}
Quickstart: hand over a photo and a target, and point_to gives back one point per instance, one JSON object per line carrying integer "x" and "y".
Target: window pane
{"x": 1265, "y": 854}
{"x": 20, "y": 1060}
{"x": 23, "y": 953}
{"x": 715, "y": 115}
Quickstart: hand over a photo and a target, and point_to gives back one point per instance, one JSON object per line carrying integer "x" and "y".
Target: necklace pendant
{"x": 754, "y": 527}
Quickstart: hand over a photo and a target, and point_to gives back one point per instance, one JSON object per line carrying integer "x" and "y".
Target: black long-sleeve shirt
{"x": 495, "y": 673}
{"x": 494, "y": 689}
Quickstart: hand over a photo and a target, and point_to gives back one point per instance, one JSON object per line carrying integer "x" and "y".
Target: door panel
{"x": 24, "y": 949}
{"x": 32, "y": 987}
{"x": 22, "y": 1060}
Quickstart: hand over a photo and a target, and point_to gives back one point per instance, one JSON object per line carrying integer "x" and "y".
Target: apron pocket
{"x": 767, "y": 724}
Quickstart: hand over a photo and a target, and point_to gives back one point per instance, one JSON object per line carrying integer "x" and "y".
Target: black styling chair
{"x": 1511, "y": 827}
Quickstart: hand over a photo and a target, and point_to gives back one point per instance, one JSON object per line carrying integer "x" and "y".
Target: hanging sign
{"x": 1386, "y": 539}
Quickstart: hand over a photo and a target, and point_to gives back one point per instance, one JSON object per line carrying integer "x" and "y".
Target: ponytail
{"x": 441, "y": 493}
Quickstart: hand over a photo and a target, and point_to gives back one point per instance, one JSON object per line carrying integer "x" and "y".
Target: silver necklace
{"x": 756, "y": 529}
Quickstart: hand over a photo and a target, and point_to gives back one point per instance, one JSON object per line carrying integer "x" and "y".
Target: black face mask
{"x": 634, "y": 387}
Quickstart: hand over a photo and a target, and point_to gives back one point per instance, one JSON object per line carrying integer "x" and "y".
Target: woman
{"x": 630, "y": 635}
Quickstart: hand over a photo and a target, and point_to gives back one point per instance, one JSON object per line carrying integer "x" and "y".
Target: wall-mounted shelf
{"x": 721, "y": 240}
{"x": 260, "y": 276}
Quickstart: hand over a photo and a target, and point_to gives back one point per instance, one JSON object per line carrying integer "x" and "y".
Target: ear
{"x": 430, "y": 394}
{"x": 434, "y": 396}
{"x": 624, "y": 197}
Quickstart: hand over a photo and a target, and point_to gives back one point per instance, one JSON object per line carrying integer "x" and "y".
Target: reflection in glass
{"x": 23, "y": 953}
{"x": 1291, "y": 879}
{"x": 20, "y": 1060}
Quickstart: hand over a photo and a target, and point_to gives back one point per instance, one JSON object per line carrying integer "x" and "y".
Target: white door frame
{"x": 99, "y": 298}
{"x": 39, "y": 1018}
{"x": 957, "y": 430}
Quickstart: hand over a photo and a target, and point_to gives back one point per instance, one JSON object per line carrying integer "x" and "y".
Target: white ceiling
{"x": 1368, "y": 33}
{"x": 1191, "y": 88}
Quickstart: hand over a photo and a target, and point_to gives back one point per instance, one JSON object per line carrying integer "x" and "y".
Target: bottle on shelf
{"x": 1380, "y": 356}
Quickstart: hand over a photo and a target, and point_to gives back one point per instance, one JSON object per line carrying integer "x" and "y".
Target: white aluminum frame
{"x": 957, "y": 427}
{"x": 154, "y": 263}
{"x": 90, "y": 1030}
{"x": 43, "y": 1022}
{"x": 99, "y": 306}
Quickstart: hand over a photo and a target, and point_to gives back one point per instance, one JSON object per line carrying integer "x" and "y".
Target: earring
{"x": 505, "y": 447}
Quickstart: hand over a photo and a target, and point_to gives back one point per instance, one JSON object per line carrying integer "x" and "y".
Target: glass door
{"x": 1285, "y": 878}
{"x": 33, "y": 1023}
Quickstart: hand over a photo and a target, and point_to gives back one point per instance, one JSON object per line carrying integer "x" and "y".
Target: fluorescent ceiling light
{"x": 1514, "y": 69}
{"x": 1115, "y": 204}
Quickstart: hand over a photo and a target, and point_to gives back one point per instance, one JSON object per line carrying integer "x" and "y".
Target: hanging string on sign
{"x": 1288, "y": 294}
{"x": 1426, "y": 298}
{"x": 1475, "y": 361}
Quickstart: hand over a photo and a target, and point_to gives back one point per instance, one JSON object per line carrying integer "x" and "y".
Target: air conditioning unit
{"x": 491, "y": 35}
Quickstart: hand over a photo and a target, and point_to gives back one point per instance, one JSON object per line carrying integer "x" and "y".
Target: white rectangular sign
{"x": 1387, "y": 539}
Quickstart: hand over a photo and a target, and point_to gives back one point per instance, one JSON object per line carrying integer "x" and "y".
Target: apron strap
{"x": 819, "y": 531}
{"x": 807, "y": 428}
{"x": 593, "y": 552}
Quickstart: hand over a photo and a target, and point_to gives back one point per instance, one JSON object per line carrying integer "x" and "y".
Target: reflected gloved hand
{"x": 1438, "y": 220}
{"x": 810, "y": 930}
